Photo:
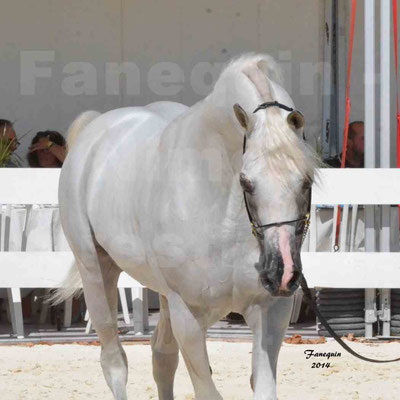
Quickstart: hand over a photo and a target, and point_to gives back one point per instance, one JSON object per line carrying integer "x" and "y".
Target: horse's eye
{"x": 246, "y": 183}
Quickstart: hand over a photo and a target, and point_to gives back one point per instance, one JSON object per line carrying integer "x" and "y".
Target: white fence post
{"x": 369, "y": 132}
{"x": 15, "y": 305}
{"x": 139, "y": 310}
{"x": 384, "y": 135}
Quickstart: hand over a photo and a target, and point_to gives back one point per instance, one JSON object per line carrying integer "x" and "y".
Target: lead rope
{"x": 311, "y": 302}
{"x": 325, "y": 323}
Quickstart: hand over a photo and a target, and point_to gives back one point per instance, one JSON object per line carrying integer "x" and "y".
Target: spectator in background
{"x": 48, "y": 150}
{"x": 9, "y": 143}
{"x": 355, "y": 148}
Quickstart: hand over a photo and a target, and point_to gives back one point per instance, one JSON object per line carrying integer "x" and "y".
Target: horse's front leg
{"x": 191, "y": 338}
{"x": 268, "y": 323}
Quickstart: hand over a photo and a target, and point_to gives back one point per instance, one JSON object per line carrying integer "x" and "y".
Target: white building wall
{"x": 81, "y": 38}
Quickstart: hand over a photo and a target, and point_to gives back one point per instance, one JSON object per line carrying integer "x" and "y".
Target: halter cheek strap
{"x": 254, "y": 226}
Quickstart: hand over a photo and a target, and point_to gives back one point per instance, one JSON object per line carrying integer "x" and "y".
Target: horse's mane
{"x": 247, "y": 80}
{"x": 268, "y": 66}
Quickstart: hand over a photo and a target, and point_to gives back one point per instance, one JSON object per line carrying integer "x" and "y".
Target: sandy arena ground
{"x": 73, "y": 372}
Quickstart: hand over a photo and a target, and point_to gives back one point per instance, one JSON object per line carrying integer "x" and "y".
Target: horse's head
{"x": 276, "y": 177}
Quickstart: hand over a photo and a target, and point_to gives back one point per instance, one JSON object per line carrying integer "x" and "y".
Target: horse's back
{"x": 166, "y": 109}
{"x": 114, "y": 136}
{"x": 102, "y": 177}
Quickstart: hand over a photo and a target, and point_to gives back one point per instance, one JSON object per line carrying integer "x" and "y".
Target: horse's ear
{"x": 296, "y": 120}
{"x": 241, "y": 116}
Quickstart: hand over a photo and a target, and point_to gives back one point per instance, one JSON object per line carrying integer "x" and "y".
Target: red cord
{"x": 348, "y": 106}
{"x": 396, "y": 57}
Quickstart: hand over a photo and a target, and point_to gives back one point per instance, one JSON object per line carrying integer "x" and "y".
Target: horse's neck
{"x": 205, "y": 128}
{"x": 236, "y": 225}
{"x": 217, "y": 122}
{"x": 214, "y": 126}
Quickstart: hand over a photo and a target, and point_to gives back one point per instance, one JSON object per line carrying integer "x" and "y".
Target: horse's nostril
{"x": 266, "y": 282}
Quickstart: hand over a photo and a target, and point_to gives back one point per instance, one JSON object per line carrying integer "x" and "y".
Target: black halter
{"x": 254, "y": 227}
{"x": 303, "y": 281}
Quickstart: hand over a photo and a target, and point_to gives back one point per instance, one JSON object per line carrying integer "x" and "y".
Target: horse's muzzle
{"x": 277, "y": 283}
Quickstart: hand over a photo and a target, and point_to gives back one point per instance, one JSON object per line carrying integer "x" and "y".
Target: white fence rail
{"x": 343, "y": 269}
{"x": 20, "y": 268}
{"x": 367, "y": 186}
{"x": 346, "y": 268}
{"x": 352, "y": 270}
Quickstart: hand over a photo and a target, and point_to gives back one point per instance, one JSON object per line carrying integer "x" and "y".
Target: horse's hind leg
{"x": 191, "y": 338}
{"x": 165, "y": 353}
{"x": 100, "y": 277}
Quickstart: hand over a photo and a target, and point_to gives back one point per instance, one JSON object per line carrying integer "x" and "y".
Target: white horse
{"x": 157, "y": 192}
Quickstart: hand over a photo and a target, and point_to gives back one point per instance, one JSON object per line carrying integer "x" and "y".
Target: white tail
{"x": 80, "y": 123}
{"x": 71, "y": 287}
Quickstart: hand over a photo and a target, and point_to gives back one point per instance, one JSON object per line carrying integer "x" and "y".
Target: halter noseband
{"x": 254, "y": 227}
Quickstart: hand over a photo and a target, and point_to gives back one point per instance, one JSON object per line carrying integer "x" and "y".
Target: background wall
{"x": 79, "y": 45}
